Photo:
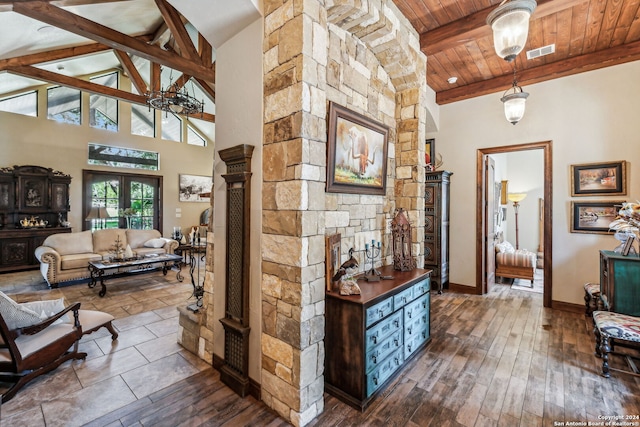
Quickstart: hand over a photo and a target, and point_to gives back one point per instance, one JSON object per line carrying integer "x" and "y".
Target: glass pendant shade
{"x": 510, "y": 25}
{"x": 514, "y": 104}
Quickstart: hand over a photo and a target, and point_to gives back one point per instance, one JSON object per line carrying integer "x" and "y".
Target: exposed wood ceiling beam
{"x": 6, "y": 6}
{"x": 180, "y": 34}
{"x": 44, "y": 12}
{"x": 53, "y": 55}
{"x": 181, "y": 81}
{"x": 205, "y": 50}
{"x": 579, "y": 64}
{"x": 55, "y": 78}
{"x": 211, "y": 91}
{"x": 475, "y": 26}
{"x": 131, "y": 70}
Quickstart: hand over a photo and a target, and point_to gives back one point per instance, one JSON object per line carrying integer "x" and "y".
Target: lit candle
{"x": 378, "y": 244}
{"x": 373, "y": 243}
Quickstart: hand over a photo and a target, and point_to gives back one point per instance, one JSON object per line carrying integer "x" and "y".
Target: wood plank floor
{"x": 495, "y": 360}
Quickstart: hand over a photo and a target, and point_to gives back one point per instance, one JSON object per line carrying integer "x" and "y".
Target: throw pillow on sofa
{"x": 155, "y": 243}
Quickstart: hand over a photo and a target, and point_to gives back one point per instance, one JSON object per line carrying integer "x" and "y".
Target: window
{"x": 131, "y": 200}
{"x": 143, "y": 121}
{"x": 194, "y": 138}
{"x": 63, "y": 105}
{"x": 171, "y": 127}
{"x": 121, "y": 157}
{"x": 103, "y": 111}
{"x": 26, "y": 104}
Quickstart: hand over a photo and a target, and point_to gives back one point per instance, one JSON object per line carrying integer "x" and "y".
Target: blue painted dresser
{"x": 370, "y": 337}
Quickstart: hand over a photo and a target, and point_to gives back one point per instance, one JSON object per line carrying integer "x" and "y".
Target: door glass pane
{"x": 142, "y": 204}
{"x": 104, "y": 204}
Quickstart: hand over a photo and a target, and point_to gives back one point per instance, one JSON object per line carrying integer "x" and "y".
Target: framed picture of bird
{"x": 356, "y": 153}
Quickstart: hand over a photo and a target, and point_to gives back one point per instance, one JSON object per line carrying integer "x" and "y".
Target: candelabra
{"x": 372, "y": 275}
{"x": 198, "y": 289}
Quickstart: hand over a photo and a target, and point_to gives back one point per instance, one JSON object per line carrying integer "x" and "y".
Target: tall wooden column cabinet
{"x": 436, "y": 227}
{"x": 235, "y": 370}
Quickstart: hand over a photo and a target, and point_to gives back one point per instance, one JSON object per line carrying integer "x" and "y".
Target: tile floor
{"x": 144, "y": 359}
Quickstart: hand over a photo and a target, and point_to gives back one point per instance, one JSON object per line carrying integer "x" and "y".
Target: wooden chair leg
{"x": 110, "y": 328}
{"x": 604, "y": 351}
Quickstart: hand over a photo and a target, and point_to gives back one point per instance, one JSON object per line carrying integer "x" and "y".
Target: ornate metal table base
{"x": 98, "y": 269}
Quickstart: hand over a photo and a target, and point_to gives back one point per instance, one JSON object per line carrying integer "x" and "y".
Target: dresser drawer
{"x": 416, "y": 328}
{"x": 378, "y": 376}
{"x": 422, "y": 287}
{"x": 382, "y": 330}
{"x": 376, "y": 355}
{"x": 379, "y": 311}
{"x": 402, "y": 298}
{"x": 414, "y": 342}
{"x": 414, "y": 309}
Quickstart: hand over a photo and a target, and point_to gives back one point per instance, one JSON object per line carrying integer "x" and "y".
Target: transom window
{"x": 63, "y": 105}
{"x": 103, "y": 110}
{"x": 25, "y": 104}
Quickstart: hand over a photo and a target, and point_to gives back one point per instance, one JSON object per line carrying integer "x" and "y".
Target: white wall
{"x": 589, "y": 117}
{"x": 239, "y": 117}
{"x": 42, "y": 142}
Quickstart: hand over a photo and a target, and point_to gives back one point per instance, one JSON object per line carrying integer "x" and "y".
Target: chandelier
{"x": 175, "y": 100}
{"x": 510, "y": 25}
{"x": 514, "y": 100}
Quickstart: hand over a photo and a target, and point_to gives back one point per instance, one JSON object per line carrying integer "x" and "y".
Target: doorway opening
{"x": 482, "y": 224}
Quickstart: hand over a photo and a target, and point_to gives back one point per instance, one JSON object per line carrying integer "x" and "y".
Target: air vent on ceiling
{"x": 541, "y": 51}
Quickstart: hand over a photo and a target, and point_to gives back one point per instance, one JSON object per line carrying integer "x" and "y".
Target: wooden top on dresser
{"x": 372, "y": 292}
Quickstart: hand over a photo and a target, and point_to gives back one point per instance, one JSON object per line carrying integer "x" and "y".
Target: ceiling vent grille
{"x": 541, "y": 51}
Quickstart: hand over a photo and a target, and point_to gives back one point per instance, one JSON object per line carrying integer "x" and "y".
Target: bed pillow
{"x": 155, "y": 243}
{"x": 15, "y": 315}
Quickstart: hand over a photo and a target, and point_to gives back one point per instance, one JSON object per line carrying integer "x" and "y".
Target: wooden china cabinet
{"x": 33, "y": 202}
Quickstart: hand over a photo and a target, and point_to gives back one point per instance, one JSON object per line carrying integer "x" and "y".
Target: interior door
{"x": 490, "y": 215}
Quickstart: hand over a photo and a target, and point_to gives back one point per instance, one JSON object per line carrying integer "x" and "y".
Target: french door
{"x": 120, "y": 200}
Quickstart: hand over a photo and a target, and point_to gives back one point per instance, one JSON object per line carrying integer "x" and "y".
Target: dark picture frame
{"x": 333, "y": 262}
{"x": 430, "y": 153}
{"x": 594, "y": 216}
{"x": 599, "y": 179}
{"x": 350, "y": 133}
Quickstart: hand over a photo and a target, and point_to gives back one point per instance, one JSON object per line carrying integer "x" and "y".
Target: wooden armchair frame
{"x": 54, "y": 348}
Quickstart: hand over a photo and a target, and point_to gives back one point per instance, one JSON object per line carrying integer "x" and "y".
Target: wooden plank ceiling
{"x": 168, "y": 45}
{"x": 588, "y": 34}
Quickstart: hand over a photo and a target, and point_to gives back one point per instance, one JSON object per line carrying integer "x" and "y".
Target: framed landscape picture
{"x": 599, "y": 179}
{"x": 195, "y": 188}
{"x": 357, "y": 153}
{"x": 594, "y": 217}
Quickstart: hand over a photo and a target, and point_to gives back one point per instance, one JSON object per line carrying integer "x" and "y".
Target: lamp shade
{"x": 514, "y": 105}
{"x": 516, "y": 197}
{"x": 510, "y": 25}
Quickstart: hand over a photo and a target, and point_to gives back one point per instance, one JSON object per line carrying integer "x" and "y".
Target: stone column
{"x": 293, "y": 203}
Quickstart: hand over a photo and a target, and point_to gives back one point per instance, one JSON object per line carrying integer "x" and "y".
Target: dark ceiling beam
{"x": 52, "y": 15}
{"x": 208, "y": 89}
{"x": 473, "y": 27}
{"x": 592, "y": 61}
{"x": 60, "y": 79}
{"x": 205, "y": 51}
{"x": 130, "y": 69}
{"x": 86, "y": 86}
{"x": 7, "y": 6}
{"x": 53, "y": 55}
{"x": 173, "y": 20}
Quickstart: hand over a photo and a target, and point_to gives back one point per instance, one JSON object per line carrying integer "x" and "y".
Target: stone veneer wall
{"x": 362, "y": 54}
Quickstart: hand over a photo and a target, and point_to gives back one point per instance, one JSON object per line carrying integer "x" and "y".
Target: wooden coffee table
{"x": 138, "y": 265}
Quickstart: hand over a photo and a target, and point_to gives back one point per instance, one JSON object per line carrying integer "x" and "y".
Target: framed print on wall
{"x": 332, "y": 262}
{"x": 430, "y": 153}
{"x": 357, "y": 153}
{"x": 599, "y": 179}
{"x": 594, "y": 217}
{"x": 195, "y": 188}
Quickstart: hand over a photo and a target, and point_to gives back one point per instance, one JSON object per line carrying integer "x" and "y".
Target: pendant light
{"x": 510, "y": 25}
{"x": 514, "y": 100}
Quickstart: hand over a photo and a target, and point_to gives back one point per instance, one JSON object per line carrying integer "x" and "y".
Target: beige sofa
{"x": 66, "y": 256}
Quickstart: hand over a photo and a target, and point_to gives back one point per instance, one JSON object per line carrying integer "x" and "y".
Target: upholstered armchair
{"x": 37, "y": 337}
